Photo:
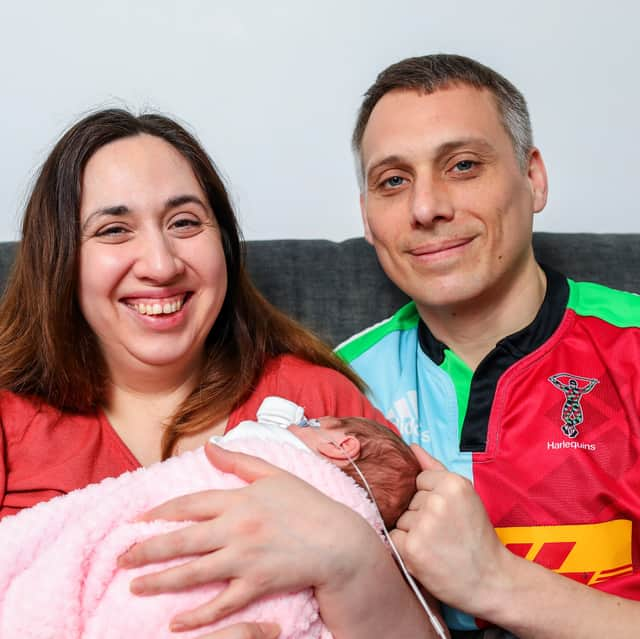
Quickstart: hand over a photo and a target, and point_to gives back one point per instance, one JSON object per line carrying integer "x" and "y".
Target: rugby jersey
{"x": 547, "y": 428}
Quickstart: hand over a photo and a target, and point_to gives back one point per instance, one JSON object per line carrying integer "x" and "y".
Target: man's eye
{"x": 394, "y": 181}
{"x": 464, "y": 165}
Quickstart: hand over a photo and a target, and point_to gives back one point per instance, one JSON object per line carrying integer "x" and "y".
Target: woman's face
{"x": 152, "y": 268}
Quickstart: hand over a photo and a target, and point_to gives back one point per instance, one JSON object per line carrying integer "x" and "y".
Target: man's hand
{"x": 446, "y": 538}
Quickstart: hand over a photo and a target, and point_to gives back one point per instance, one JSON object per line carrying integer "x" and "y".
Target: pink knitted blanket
{"x": 58, "y": 575}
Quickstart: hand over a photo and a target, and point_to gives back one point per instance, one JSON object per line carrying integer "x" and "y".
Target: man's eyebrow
{"x": 388, "y": 160}
{"x": 478, "y": 144}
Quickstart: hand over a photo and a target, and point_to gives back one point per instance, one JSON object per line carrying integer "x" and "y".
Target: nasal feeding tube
{"x": 435, "y": 622}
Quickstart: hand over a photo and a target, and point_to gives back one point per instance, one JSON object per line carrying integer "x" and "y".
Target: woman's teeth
{"x": 158, "y": 308}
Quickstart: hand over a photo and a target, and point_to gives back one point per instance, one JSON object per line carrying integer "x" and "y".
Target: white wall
{"x": 271, "y": 89}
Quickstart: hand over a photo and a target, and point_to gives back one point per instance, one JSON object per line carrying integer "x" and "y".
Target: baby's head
{"x": 388, "y": 464}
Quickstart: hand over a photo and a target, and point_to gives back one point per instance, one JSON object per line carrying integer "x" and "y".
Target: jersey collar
{"x": 484, "y": 381}
{"x": 524, "y": 341}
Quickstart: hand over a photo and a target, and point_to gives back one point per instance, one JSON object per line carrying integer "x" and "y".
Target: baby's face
{"x": 315, "y": 437}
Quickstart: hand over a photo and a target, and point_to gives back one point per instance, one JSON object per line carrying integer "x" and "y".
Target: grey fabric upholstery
{"x": 338, "y": 288}
{"x": 7, "y": 253}
{"x": 335, "y": 288}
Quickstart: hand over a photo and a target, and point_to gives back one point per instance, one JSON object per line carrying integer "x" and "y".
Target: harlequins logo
{"x": 573, "y": 387}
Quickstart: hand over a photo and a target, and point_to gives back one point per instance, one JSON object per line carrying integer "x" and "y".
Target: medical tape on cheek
{"x": 435, "y": 622}
{"x": 309, "y": 423}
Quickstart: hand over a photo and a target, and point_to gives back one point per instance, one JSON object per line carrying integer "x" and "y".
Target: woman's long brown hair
{"x": 47, "y": 349}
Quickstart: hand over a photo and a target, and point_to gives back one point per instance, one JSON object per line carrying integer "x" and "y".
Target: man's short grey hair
{"x": 429, "y": 73}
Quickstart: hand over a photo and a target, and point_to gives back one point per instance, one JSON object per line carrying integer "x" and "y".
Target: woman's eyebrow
{"x": 122, "y": 209}
{"x": 118, "y": 209}
{"x": 179, "y": 200}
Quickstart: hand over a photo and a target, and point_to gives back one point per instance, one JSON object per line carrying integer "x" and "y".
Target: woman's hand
{"x": 246, "y": 631}
{"x": 277, "y": 534}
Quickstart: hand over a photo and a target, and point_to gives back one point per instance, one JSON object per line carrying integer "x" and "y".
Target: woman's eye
{"x": 187, "y": 225}
{"x": 111, "y": 231}
{"x": 186, "y": 222}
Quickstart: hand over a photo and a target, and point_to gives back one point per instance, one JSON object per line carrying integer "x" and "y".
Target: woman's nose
{"x": 158, "y": 259}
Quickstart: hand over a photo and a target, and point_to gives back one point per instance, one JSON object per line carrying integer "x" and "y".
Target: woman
{"x": 129, "y": 331}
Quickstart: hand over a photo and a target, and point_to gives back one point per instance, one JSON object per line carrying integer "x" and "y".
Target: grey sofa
{"x": 338, "y": 288}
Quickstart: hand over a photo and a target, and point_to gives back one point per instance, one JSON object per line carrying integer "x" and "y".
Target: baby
{"x": 59, "y": 575}
{"x": 387, "y": 463}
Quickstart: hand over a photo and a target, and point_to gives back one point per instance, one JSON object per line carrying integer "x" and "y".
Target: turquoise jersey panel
{"x": 421, "y": 401}
{"x": 418, "y": 396}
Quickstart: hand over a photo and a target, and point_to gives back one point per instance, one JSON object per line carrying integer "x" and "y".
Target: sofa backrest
{"x": 338, "y": 288}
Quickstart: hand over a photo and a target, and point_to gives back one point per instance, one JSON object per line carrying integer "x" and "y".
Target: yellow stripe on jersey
{"x": 590, "y": 553}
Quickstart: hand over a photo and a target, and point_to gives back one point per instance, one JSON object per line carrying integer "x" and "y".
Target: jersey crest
{"x": 574, "y": 388}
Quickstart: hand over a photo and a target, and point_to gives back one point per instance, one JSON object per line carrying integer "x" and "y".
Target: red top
{"x": 45, "y": 453}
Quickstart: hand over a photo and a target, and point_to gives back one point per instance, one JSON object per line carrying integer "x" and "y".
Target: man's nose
{"x": 158, "y": 259}
{"x": 431, "y": 202}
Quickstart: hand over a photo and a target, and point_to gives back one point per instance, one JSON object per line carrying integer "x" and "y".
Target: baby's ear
{"x": 341, "y": 448}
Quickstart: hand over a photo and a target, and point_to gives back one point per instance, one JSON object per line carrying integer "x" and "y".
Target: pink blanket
{"x": 58, "y": 575}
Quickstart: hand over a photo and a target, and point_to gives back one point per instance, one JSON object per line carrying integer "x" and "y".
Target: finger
{"x": 429, "y": 480}
{"x": 407, "y": 520}
{"x": 426, "y": 461}
{"x": 399, "y": 538}
{"x": 191, "y": 540}
{"x": 261, "y": 630}
{"x": 419, "y": 501}
{"x": 245, "y": 466}
{"x": 401, "y": 542}
{"x": 207, "y": 569}
{"x": 194, "y": 506}
{"x": 234, "y": 597}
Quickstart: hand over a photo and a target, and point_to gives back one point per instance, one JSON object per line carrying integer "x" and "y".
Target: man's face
{"x": 445, "y": 203}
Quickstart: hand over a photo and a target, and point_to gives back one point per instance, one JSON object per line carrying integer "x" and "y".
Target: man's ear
{"x": 365, "y": 221}
{"x": 335, "y": 450}
{"x": 537, "y": 175}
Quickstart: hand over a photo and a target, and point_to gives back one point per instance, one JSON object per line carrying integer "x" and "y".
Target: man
{"x": 523, "y": 384}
